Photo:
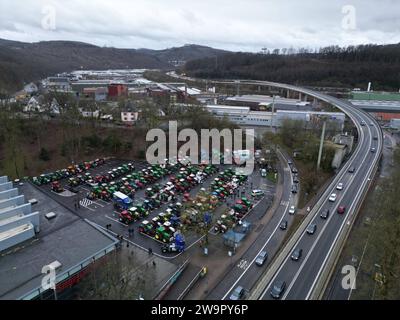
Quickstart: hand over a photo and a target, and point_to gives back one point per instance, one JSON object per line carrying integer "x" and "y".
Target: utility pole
{"x": 272, "y": 114}
{"x": 321, "y": 146}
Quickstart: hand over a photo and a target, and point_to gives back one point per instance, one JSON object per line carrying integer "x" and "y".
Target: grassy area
{"x": 273, "y": 177}
{"x": 311, "y": 182}
{"x": 374, "y": 241}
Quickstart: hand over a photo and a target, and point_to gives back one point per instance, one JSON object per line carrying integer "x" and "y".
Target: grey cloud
{"x": 246, "y": 25}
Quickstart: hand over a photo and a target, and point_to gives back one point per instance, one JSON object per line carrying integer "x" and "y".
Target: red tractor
{"x": 56, "y": 187}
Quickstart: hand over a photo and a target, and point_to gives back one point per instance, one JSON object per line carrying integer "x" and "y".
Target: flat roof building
{"x": 66, "y": 238}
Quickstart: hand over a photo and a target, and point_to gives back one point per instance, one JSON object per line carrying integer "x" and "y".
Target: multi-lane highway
{"x": 301, "y": 277}
{"x": 305, "y": 279}
{"x": 246, "y": 273}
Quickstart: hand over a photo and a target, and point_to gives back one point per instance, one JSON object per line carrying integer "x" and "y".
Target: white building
{"x": 33, "y": 106}
{"x": 89, "y": 113}
{"x": 31, "y": 88}
{"x": 243, "y": 116}
{"x": 129, "y": 117}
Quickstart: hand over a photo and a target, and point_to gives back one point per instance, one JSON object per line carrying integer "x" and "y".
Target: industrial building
{"x": 38, "y": 233}
{"x": 243, "y": 116}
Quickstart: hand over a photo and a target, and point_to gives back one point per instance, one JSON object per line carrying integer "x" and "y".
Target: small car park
{"x": 325, "y": 214}
{"x": 352, "y": 170}
{"x": 341, "y": 210}
{"x": 311, "y": 229}
{"x": 296, "y": 255}
{"x": 284, "y": 225}
{"x": 333, "y": 197}
{"x": 278, "y": 289}
{"x": 257, "y": 193}
{"x": 262, "y": 258}
{"x": 238, "y": 293}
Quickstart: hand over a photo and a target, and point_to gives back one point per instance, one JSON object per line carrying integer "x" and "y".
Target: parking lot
{"x": 104, "y": 214}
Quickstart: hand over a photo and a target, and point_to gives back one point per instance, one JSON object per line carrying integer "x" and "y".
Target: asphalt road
{"x": 103, "y": 213}
{"x": 335, "y": 290}
{"x": 302, "y": 276}
{"x": 246, "y": 272}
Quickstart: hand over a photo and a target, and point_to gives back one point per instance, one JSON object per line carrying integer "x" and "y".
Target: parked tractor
{"x": 56, "y": 187}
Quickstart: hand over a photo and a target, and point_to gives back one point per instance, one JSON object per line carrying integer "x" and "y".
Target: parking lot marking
{"x": 116, "y": 221}
{"x": 105, "y": 202}
{"x": 94, "y": 202}
{"x": 243, "y": 264}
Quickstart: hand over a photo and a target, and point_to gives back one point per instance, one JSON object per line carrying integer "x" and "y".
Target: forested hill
{"x": 24, "y": 62}
{"x": 350, "y": 67}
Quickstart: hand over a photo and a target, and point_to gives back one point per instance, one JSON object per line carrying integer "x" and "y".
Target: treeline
{"x": 333, "y": 66}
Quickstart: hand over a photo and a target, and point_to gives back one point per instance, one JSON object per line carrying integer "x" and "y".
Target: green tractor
{"x": 147, "y": 228}
{"x": 164, "y": 234}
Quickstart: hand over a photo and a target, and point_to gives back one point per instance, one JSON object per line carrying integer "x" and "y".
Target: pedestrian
{"x": 154, "y": 263}
{"x": 76, "y": 206}
{"x": 150, "y": 251}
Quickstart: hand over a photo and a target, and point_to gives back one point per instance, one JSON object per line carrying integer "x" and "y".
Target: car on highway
{"x": 278, "y": 289}
{"x": 363, "y": 123}
{"x": 341, "y": 210}
{"x": 352, "y": 170}
{"x": 296, "y": 255}
{"x": 296, "y": 179}
{"x": 290, "y": 163}
{"x": 371, "y": 124}
{"x": 257, "y": 193}
{"x": 262, "y": 257}
{"x": 294, "y": 170}
{"x": 373, "y": 150}
{"x": 325, "y": 214}
{"x": 339, "y": 187}
{"x": 292, "y": 210}
{"x": 311, "y": 229}
{"x": 238, "y": 293}
{"x": 284, "y": 225}
{"x": 333, "y": 197}
{"x": 295, "y": 188}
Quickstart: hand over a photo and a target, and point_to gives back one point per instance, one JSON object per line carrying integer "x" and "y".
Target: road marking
{"x": 320, "y": 235}
{"x": 243, "y": 264}
{"x": 263, "y": 248}
{"x": 342, "y": 226}
{"x": 119, "y": 222}
{"x": 86, "y": 203}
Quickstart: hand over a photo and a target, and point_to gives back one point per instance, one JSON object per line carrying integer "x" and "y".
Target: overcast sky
{"x": 228, "y": 24}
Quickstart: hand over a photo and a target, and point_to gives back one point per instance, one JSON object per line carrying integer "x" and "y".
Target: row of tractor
{"x": 183, "y": 182}
{"x": 129, "y": 184}
{"x": 233, "y": 216}
{"x": 156, "y": 195}
{"x": 101, "y": 178}
{"x": 226, "y": 183}
{"x": 163, "y": 227}
{"x": 72, "y": 170}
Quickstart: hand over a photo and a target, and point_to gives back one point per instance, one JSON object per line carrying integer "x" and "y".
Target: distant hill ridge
{"x": 22, "y": 62}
